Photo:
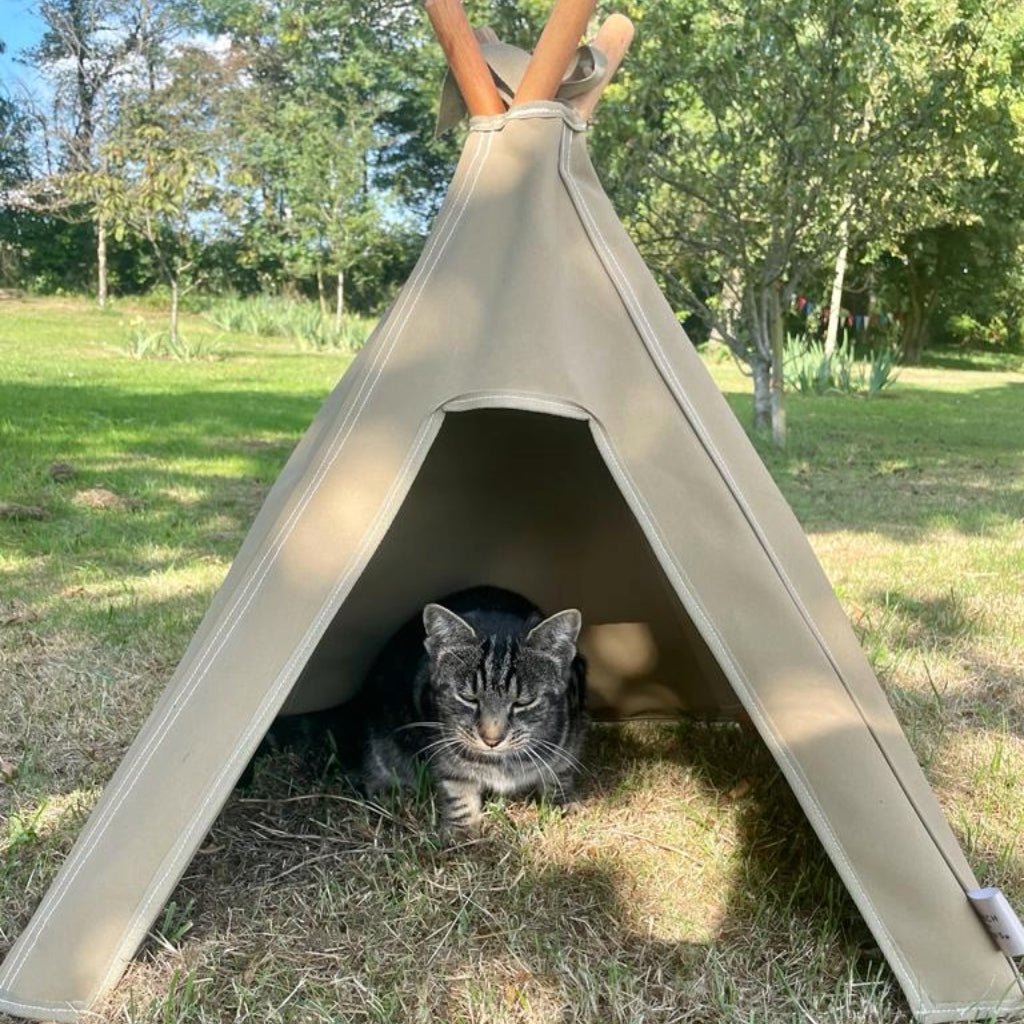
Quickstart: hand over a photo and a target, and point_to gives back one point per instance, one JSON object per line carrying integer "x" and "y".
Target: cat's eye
{"x": 469, "y": 699}
{"x": 525, "y": 702}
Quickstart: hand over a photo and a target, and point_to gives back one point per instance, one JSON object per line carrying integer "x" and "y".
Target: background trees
{"x": 287, "y": 147}
{"x": 754, "y": 141}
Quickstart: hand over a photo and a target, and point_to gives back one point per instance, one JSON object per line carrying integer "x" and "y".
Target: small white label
{"x": 999, "y": 918}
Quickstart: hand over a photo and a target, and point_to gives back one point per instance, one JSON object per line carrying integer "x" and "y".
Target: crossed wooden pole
{"x": 555, "y": 48}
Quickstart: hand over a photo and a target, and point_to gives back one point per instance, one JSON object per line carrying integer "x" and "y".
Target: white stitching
{"x": 427, "y": 431}
{"x": 526, "y": 401}
{"x": 54, "y": 1011}
{"x": 649, "y": 337}
{"x": 11, "y": 972}
{"x": 551, "y": 110}
{"x": 714, "y": 639}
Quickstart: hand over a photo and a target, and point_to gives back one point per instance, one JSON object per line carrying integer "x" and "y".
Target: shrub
{"x": 142, "y": 343}
{"x": 808, "y": 369}
{"x": 269, "y": 316}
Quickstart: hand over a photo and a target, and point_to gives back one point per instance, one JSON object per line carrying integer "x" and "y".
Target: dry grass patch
{"x": 687, "y": 889}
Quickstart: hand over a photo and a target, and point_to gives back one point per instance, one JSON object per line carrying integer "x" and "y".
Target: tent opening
{"x": 523, "y": 500}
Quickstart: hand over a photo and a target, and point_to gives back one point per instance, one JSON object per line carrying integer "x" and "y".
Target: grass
{"x": 687, "y": 889}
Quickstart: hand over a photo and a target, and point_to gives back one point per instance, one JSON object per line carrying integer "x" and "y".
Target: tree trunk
{"x": 915, "y": 327}
{"x": 764, "y": 308}
{"x": 832, "y": 331}
{"x": 321, "y": 294}
{"x": 778, "y": 393}
{"x": 730, "y": 308}
{"x": 340, "y": 308}
{"x": 762, "y": 371}
{"x": 101, "y": 262}
{"x": 175, "y": 289}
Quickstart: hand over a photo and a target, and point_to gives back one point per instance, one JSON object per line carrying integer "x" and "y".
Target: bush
{"x": 808, "y": 369}
{"x": 268, "y": 316}
{"x": 143, "y": 343}
{"x": 965, "y": 331}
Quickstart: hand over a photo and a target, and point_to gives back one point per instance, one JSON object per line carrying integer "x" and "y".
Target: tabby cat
{"x": 485, "y": 694}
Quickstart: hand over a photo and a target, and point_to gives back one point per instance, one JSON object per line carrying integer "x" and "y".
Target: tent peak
{"x": 553, "y": 109}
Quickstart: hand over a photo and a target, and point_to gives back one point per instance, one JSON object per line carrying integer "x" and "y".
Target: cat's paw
{"x": 464, "y": 832}
{"x": 569, "y": 807}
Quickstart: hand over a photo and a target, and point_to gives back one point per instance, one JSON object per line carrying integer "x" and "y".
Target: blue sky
{"x": 19, "y": 27}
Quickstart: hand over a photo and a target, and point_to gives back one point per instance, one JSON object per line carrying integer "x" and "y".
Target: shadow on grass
{"x": 512, "y": 929}
{"x": 977, "y": 360}
{"x": 298, "y": 893}
{"x": 182, "y": 474}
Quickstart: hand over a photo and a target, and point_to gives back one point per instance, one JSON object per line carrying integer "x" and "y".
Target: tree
{"x": 157, "y": 177}
{"x": 334, "y": 219}
{"x": 310, "y": 93}
{"x": 747, "y": 134}
{"x": 93, "y": 52}
{"x": 15, "y": 170}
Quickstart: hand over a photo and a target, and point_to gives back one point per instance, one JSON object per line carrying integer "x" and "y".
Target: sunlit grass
{"x": 687, "y": 889}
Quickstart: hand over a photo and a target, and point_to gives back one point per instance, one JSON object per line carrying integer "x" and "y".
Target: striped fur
{"x": 486, "y": 695}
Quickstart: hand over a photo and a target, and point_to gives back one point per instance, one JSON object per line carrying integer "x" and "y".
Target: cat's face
{"x": 497, "y": 695}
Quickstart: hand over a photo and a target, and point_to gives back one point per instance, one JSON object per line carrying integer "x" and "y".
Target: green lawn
{"x": 687, "y": 889}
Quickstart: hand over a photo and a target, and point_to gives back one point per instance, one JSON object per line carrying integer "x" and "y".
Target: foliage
{"x": 157, "y": 174}
{"x": 142, "y": 342}
{"x": 810, "y": 370}
{"x": 941, "y": 273}
{"x": 269, "y": 317}
{"x": 306, "y": 133}
{"x": 748, "y": 134}
{"x": 737, "y": 141}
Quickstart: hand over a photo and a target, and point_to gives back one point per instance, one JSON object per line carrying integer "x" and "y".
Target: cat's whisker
{"x": 443, "y": 741}
{"x": 559, "y": 751}
{"x": 420, "y": 725}
{"x": 538, "y": 760}
{"x": 567, "y": 755}
{"x": 448, "y": 745}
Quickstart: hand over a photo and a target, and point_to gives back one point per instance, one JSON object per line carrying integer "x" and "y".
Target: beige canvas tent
{"x": 529, "y": 414}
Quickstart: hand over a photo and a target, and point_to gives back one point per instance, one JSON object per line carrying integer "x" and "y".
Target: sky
{"x": 20, "y": 27}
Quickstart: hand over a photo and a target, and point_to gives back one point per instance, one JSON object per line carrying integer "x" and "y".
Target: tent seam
{"x": 650, "y": 339}
{"x": 715, "y": 639}
{"x": 594, "y": 232}
{"x": 313, "y": 633}
{"x": 55, "y": 1011}
{"x": 527, "y": 401}
{"x": 11, "y": 972}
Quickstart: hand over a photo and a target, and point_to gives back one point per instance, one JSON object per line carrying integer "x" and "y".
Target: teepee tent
{"x": 528, "y": 414}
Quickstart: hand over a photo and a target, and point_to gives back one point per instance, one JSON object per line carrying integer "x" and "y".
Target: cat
{"x": 485, "y": 695}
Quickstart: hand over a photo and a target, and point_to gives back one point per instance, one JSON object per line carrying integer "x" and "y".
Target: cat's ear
{"x": 556, "y": 636}
{"x": 445, "y": 628}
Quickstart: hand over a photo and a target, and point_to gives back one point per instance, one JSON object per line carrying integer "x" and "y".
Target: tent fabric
{"x": 528, "y": 414}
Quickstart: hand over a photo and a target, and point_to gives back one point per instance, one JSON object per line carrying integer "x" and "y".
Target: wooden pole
{"x": 555, "y": 48}
{"x": 460, "y": 46}
{"x": 613, "y": 39}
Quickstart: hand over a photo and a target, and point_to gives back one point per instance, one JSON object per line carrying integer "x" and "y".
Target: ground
{"x": 687, "y": 889}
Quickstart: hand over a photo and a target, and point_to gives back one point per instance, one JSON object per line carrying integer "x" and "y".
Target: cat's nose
{"x": 491, "y": 732}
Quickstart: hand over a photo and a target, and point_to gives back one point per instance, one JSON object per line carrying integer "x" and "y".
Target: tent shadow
{"x": 569, "y": 941}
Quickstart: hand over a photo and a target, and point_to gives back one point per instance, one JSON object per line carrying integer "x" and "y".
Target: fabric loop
{"x": 508, "y": 65}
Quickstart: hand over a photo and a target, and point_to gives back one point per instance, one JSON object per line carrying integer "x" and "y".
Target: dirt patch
{"x": 104, "y": 499}
{"x": 22, "y": 513}
{"x": 62, "y": 471}
{"x": 16, "y": 613}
